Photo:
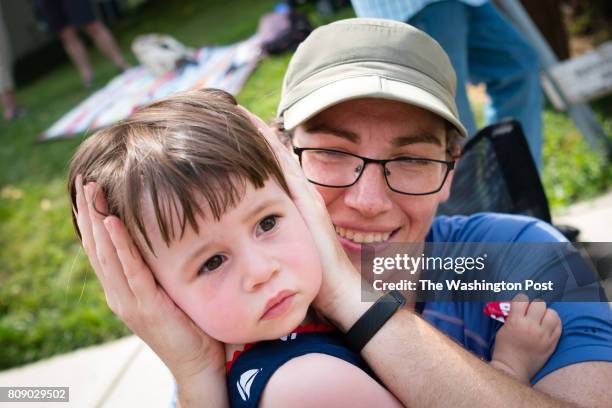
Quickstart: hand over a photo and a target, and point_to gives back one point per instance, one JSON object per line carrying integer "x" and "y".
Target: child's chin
{"x": 269, "y": 330}
{"x": 285, "y": 327}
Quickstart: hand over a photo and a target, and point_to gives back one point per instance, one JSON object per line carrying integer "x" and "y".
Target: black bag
{"x": 288, "y": 38}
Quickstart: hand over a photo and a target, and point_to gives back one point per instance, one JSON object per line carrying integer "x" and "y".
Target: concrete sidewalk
{"x": 121, "y": 373}
{"x": 126, "y": 373}
{"x": 593, "y": 218}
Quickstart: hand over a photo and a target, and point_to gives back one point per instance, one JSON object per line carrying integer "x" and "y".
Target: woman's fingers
{"x": 284, "y": 156}
{"x": 118, "y": 294}
{"x": 306, "y": 197}
{"x": 263, "y": 128}
{"x": 132, "y": 293}
{"x": 84, "y": 223}
{"x": 139, "y": 277}
{"x": 300, "y": 187}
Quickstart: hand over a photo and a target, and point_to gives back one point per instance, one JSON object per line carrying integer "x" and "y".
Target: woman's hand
{"x": 341, "y": 281}
{"x": 134, "y": 296}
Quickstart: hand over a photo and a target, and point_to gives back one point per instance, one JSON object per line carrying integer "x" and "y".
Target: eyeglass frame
{"x": 450, "y": 165}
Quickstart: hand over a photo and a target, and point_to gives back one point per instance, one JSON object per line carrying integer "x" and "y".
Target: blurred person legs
{"x": 484, "y": 47}
{"x": 78, "y": 53}
{"x": 64, "y": 16}
{"x": 10, "y": 107}
{"x": 105, "y": 42}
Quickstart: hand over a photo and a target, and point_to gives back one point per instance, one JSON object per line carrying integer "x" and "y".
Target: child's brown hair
{"x": 175, "y": 151}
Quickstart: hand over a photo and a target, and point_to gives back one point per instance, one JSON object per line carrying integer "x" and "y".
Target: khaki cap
{"x": 368, "y": 58}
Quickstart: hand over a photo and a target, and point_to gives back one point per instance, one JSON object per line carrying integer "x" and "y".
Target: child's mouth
{"x": 278, "y": 305}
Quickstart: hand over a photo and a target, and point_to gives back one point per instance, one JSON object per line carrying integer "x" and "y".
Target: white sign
{"x": 586, "y": 77}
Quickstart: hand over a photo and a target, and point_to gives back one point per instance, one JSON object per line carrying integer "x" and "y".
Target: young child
{"x": 204, "y": 198}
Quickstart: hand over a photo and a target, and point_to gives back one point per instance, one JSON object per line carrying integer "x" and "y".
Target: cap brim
{"x": 372, "y": 86}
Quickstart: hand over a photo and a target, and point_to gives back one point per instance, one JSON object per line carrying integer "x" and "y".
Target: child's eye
{"x": 267, "y": 224}
{"x": 211, "y": 264}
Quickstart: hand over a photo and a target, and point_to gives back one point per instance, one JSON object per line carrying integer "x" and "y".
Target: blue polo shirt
{"x": 587, "y": 326}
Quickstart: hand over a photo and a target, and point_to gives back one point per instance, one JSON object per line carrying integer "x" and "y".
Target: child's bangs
{"x": 178, "y": 202}
{"x": 184, "y": 175}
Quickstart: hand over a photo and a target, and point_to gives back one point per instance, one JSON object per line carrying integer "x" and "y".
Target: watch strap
{"x": 373, "y": 319}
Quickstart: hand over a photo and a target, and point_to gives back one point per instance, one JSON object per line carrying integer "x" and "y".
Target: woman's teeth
{"x": 363, "y": 237}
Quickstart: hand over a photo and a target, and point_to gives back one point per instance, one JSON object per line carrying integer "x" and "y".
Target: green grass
{"x": 572, "y": 169}
{"x": 50, "y": 301}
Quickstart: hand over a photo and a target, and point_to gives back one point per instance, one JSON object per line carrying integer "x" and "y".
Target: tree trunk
{"x": 546, "y": 14}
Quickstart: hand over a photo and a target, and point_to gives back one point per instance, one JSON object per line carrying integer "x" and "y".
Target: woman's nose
{"x": 370, "y": 195}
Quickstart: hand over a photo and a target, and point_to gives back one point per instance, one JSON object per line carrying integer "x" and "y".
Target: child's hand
{"x": 340, "y": 279}
{"x": 134, "y": 296}
{"x": 527, "y": 339}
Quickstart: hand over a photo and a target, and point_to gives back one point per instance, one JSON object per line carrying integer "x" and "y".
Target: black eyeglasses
{"x": 404, "y": 175}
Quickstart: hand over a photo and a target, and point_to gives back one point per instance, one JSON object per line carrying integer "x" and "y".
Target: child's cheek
{"x": 219, "y": 313}
{"x": 303, "y": 258}
{"x": 312, "y": 267}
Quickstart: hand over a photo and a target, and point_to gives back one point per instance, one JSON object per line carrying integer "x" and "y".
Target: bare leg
{"x": 9, "y": 102}
{"x": 77, "y": 52}
{"x": 12, "y": 109}
{"x": 7, "y": 84}
{"x": 106, "y": 43}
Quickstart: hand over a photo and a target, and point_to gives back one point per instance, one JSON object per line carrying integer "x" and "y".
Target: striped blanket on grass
{"x": 223, "y": 67}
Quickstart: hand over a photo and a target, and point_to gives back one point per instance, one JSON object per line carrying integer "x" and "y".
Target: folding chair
{"x": 496, "y": 173}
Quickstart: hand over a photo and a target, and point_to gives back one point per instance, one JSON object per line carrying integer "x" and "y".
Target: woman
{"x": 377, "y": 90}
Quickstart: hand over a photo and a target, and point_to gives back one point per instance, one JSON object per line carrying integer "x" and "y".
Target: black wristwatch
{"x": 373, "y": 319}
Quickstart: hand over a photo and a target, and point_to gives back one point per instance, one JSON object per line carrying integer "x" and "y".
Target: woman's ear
{"x": 454, "y": 146}
{"x": 446, "y": 188}
{"x": 444, "y": 193}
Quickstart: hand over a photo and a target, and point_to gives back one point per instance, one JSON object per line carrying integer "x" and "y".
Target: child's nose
{"x": 259, "y": 269}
